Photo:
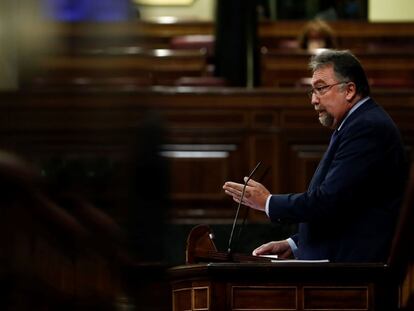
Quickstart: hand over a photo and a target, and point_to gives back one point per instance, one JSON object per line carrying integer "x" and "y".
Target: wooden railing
{"x": 155, "y": 53}
{"x": 112, "y": 67}
{"x": 350, "y": 34}
{"x": 152, "y": 35}
{"x": 392, "y": 69}
{"x": 359, "y": 35}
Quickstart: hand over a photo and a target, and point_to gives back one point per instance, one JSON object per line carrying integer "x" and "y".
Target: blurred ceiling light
{"x": 165, "y": 2}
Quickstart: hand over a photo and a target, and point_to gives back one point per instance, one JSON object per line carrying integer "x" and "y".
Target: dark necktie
{"x": 333, "y": 138}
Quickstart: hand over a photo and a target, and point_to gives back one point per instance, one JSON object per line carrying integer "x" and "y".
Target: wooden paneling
{"x": 336, "y": 298}
{"x": 264, "y": 298}
{"x": 211, "y": 136}
{"x": 213, "y": 165}
{"x": 201, "y": 297}
{"x": 195, "y": 298}
{"x": 303, "y": 160}
{"x": 182, "y": 299}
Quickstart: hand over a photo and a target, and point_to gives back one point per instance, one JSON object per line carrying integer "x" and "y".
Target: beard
{"x": 326, "y": 119}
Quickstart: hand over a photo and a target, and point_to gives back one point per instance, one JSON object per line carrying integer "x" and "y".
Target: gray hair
{"x": 346, "y": 67}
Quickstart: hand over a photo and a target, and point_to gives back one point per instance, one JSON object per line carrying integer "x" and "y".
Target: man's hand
{"x": 280, "y": 248}
{"x": 255, "y": 195}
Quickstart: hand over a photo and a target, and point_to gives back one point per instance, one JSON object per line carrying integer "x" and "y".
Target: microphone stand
{"x": 246, "y": 213}
{"x": 238, "y": 207}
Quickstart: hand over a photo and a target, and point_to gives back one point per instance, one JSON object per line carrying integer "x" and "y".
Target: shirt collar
{"x": 355, "y": 107}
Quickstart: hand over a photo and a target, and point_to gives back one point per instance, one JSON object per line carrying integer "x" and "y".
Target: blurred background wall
{"x": 398, "y": 10}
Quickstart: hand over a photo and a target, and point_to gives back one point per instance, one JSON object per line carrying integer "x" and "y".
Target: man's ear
{"x": 350, "y": 91}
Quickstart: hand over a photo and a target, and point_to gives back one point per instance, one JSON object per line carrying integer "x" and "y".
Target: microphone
{"x": 248, "y": 208}
{"x": 239, "y": 205}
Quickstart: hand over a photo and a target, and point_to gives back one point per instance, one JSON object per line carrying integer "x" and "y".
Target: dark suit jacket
{"x": 350, "y": 210}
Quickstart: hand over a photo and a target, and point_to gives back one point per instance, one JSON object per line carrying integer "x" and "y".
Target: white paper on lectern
{"x": 300, "y": 261}
{"x": 269, "y": 256}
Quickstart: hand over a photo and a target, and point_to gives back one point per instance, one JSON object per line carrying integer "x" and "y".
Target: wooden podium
{"x": 282, "y": 286}
{"x": 215, "y": 281}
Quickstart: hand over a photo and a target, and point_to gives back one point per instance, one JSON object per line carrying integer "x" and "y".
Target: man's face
{"x": 329, "y": 97}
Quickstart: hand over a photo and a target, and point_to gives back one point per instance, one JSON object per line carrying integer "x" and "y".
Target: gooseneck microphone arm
{"x": 239, "y": 205}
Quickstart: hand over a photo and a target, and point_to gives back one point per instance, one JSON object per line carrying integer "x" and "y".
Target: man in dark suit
{"x": 349, "y": 212}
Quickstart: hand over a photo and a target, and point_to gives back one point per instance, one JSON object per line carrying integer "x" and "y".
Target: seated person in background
{"x": 350, "y": 210}
{"x": 316, "y": 34}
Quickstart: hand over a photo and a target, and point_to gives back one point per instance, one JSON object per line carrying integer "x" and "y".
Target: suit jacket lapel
{"x": 325, "y": 162}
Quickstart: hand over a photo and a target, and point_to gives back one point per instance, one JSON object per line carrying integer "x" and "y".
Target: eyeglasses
{"x": 321, "y": 90}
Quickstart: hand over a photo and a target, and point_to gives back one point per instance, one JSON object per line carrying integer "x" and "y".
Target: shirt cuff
{"x": 293, "y": 247}
{"x": 267, "y": 205}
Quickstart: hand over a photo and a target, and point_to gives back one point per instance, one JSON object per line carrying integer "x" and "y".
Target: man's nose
{"x": 314, "y": 99}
